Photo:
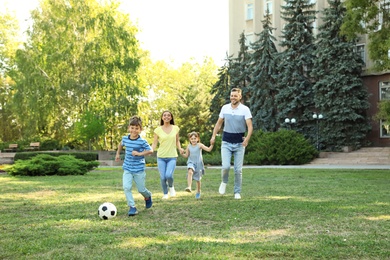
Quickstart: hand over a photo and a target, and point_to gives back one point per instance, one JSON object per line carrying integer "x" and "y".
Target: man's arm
{"x": 217, "y": 127}
{"x": 250, "y": 131}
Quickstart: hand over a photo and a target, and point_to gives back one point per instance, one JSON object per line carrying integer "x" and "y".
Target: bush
{"x": 86, "y": 156}
{"x": 284, "y": 147}
{"x": 45, "y": 164}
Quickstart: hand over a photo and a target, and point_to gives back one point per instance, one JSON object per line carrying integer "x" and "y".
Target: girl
{"x": 167, "y": 135}
{"x": 195, "y": 164}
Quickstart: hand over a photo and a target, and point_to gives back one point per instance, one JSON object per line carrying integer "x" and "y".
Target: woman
{"x": 167, "y": 135}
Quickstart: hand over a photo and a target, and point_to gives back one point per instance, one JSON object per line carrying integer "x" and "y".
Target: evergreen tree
{"x": 295, "y": 96}
{"x": 263, "y": 68}
{"x": 238, "y": 69}
{"x": 339, "y": 91}
{"x": 220, "y": 91}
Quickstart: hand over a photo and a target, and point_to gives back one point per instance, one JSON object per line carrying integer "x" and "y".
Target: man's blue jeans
{"x": 237, "y": 151}
{"x": 139, "y": 179}
{"x": 166, "y": 167}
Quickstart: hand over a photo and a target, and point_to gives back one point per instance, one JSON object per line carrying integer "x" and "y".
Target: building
{"x": 246, "y": 16}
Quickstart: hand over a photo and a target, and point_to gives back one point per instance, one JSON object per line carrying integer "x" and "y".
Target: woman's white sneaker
{"x": 237, "y": 196}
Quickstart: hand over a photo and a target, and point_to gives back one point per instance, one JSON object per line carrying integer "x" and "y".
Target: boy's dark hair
{"x": 136, "y": 121}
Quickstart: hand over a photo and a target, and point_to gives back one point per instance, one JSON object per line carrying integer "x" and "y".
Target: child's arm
{"x": 118, "y": 152}
{"x": 207, "y": 149}
{"x": 143, "y": 153}
{"x": 186, "y": 153}
{"x": 147, "y": 150}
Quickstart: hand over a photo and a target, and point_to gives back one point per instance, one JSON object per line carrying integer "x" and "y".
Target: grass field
{"x": 283, "y": 214}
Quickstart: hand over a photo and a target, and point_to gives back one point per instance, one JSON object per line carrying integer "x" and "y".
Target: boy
{"x": 134, "y": 164}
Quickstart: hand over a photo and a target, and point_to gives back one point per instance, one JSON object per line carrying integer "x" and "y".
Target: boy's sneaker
{"x": 237, "y": 196}
{"x": 165, "y": 197}
{"x": 172, "y": 191}
{"x": 188, "y": 189}
{"x": 133, "y": 211}
{"x": 197, "y": 196}
{"x": 222, "y": 188}
{"x": 148, "y": 202}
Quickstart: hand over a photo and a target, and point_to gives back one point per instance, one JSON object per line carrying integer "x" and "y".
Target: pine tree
{"x": 339, "y": 92}
{"x": 220, "y": 91}
{"x": 238, "y": 69}
{"x": 295, "y": 96}
{"x": 262, "y": 69}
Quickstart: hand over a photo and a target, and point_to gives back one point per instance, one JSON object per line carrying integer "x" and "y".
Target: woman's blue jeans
{"x": 227, "y": 151}
{"x": 166, "y": 167}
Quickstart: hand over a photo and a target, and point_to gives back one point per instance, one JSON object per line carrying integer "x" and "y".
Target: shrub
{"x": 45, "y": 164}
{"x": 86, "y": 156}
{"x": 284, "y": 147}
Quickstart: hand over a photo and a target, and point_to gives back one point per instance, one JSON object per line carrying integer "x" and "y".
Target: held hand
{"x": 212, "y": 140}
{"x": 135, "y": 153}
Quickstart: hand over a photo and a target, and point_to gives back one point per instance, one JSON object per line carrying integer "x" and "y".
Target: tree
{"x": 8, "y": 44}
{"x": 370, "y": 17}
{"x": 295, "y": 97}
{"x": 339, "y": 91}
{"x": 262, "y": 69}
{"x": 220, "y": 92}
{"x": 238, "y": 69}
{"x": 80, "y": 56}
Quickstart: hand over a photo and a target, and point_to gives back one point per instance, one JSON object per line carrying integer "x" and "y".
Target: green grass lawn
{"x": 283, "y": 214}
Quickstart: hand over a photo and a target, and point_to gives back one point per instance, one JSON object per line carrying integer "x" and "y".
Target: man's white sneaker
{"x": 222, "y": 188}
{"x": 237, "y": 196}
{"x": 172, "y": 191}
{"x": 165, "y": 197}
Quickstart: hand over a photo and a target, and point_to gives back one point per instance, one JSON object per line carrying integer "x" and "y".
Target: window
{"x": 384, "y": 94}
{"x": 361, "y": 52}
{"x": 384, "y": 90}
{"x": 249, "y": 12}
{"x": 268, "y": 5}
{"x": 385, "y": 129}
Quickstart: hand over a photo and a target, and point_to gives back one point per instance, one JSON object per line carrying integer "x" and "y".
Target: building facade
{"x": 246, "y": 16}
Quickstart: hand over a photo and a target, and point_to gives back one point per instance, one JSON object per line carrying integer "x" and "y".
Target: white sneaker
{"x": 222, "y": 188}
{"x": 165, "y": 197}
{"x": 172, "y": 191}
{"x": 237, "y": 196}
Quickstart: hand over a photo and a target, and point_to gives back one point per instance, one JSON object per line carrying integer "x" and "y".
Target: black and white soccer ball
{"x": 107, "y": 210}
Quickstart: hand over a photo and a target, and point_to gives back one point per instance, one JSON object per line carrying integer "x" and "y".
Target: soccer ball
{"x": 107, "y": 210}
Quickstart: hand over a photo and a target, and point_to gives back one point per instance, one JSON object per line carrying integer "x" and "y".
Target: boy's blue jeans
{"x": 166, "y": 167}
{"x": 139, "y": 179}
{"x": 227, "y": 151}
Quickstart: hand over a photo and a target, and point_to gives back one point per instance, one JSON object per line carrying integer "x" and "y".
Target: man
{"x": 237, "y": 118}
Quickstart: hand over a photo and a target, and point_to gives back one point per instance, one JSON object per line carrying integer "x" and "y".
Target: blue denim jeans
{"x": 166, "y": 167}
{"x": 237, "y": 151}
{"x": 139, "y": 179}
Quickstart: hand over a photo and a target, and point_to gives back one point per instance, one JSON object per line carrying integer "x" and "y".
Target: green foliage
{"x": 383, "y": 110}
{"x": 86, "y": 156}
{"x": 284, "y": 147}
{"x": 370, "y": 17}
{"x": 79, "y": 56}
{"x": 50, "y": 144}
{"x": 295, "y": 86}
{"x": 89, "y": 128}
{"x": 44, "y": 164}
{"x": 263, "y": 68}
{"x": 339, "y": 92}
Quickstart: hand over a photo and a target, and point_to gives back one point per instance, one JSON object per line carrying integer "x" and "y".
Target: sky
{"x": 171, "y": 30}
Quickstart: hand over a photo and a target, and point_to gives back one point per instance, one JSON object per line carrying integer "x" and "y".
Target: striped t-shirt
{"x": 235, "y": 122}
{"x": 134, "y": 163}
